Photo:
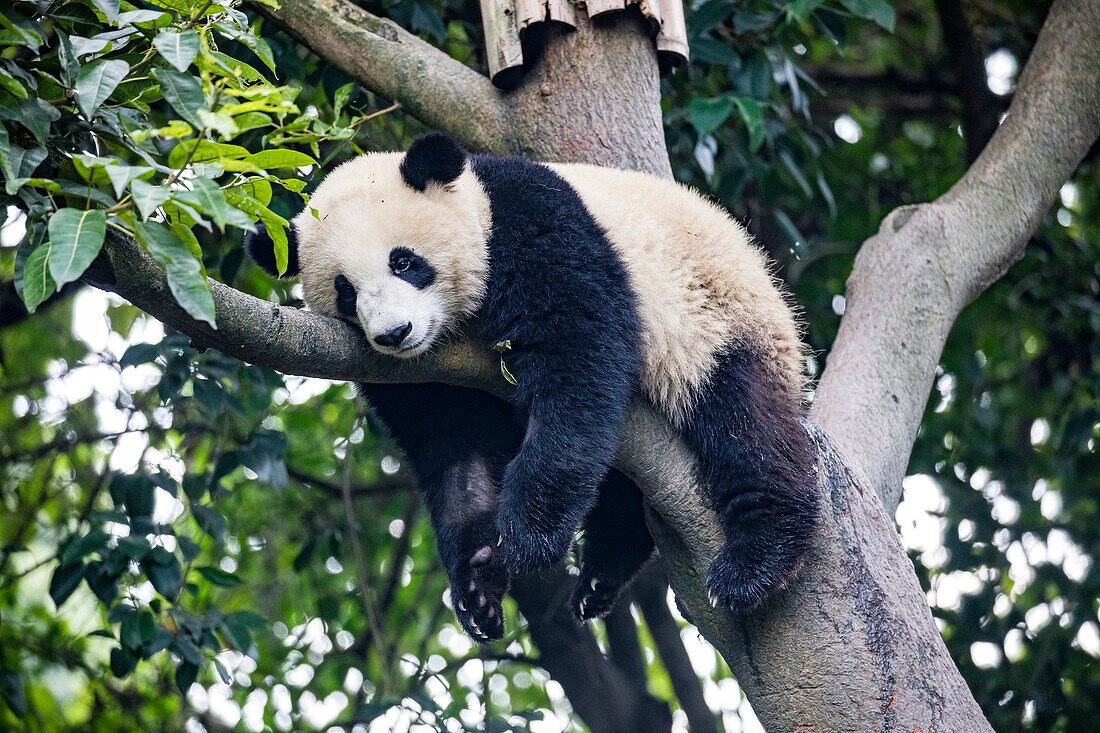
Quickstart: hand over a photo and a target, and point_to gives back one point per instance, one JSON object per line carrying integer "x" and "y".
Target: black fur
{"x": 507, "y": 488}
{"x": 757, "y": 463}
{"x": 432, "y": 158}
{"x": 559, "y": 295}
{"x": 419, "y": 273}
{"x": 261, "y": 248}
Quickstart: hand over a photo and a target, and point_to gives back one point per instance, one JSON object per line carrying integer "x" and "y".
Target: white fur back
{"x": 701, "y": 283}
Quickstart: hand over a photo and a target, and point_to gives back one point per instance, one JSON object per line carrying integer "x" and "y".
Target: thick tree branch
{"x": 927, "y": 262}
{"x": 858, "y": 598}
{"x": 388, "y": 60}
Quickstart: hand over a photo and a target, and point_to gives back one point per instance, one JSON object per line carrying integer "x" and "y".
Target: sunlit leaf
{"x": 75, "y": 239}
{"x": 96, "y": 81}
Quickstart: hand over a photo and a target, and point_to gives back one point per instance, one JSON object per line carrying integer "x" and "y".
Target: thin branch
{"x": 388, "y": 60}
{"x": 981, "y": 107}
{"x": 911, "y": 280}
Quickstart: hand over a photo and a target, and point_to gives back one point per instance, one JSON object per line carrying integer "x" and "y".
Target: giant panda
{"x": 605, "y": 284}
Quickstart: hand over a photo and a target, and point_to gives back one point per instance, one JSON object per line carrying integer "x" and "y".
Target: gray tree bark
{"x": 851, "y": 646}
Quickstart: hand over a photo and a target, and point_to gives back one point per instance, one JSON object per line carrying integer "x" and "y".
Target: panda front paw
{"x": 527, "y": 547}
{"x": 477, "y": 590}
{"x": 594, "y": 596}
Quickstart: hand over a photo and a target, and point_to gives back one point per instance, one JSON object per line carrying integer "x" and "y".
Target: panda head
{"x": 396, "y": 243}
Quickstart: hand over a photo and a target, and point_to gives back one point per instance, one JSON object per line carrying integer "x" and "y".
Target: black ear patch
{"x": 434, "y": 157}
{"x": 261, "y": 248}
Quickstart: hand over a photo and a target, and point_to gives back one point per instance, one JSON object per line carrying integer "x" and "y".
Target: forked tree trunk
{"x": 851, "y": 646}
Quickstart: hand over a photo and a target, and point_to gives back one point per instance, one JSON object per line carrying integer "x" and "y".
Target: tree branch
{"x": 870, "y": 645}
{"x": 388, "y": 60}
{"x": 911, "y": 280}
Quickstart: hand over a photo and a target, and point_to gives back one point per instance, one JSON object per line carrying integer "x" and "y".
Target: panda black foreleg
{"x": 553, "y": 481}
{"x": 758, "y": 465}
{"x": 616, "y": 545}
{"x": 459, "y": 441}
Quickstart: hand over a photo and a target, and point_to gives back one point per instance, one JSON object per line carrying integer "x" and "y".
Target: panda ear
{"x": 261, "y": 248}
{"x": 432, "y": 158}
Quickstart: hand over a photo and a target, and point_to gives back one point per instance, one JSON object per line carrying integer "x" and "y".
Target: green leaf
{"x": 707, "y": 115}
{"x": 139, "y": 354}
{"x": 37, "y": 283}
{"x": 879, "y": 11}
{"x": 148, "y": 197}
{"x": 64, "y": 581}
{"x": 122, "y": 175}
{"x": 185, "y": 279}
{"x": 219, "y": 577}
{"x": 122, "y": 662}
{"x": 210, "y": 199}
{"x": 185, "y": 676}
{"x": 11, "y": 692}
{"x": 75, "y": 239}
{"x": 166, "y": 579}
{"x": 221, "y": 154}
{"x": 753, "y": 115}
{"x": 80, "y": 548}
{"x": 17, "y": 162}
{"x": 341, "y": 97}
{"x": 281, "y": 158}
{"x": 183, "y": 92}
{"x": 237, "y": 634}
{"x": 178, "y": 49}
{"x": 96, "y": 81}
{"x": 109, "y": 8}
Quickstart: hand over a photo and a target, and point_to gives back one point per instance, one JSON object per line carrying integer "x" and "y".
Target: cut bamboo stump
{"x": 509, "y": 25}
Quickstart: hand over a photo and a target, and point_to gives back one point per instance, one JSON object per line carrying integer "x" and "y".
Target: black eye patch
{"x": 345, "y": 296}
{"x": 411, "y": 267}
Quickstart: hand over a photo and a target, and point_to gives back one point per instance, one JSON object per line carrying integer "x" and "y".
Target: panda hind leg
{"x": 758, "y": 464}
{"x": 459, "y": 441}
{"x": 616, "y": 545}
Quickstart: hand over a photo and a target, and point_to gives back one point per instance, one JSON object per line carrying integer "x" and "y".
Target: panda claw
{"x": 500, "y": 540}
{"x": 461, "y": 606}
{"x": 592, "y": 584}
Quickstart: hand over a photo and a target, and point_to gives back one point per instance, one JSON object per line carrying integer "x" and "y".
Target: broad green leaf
{"x": 206, "y": 152}
{"x": 707, "y": 115}
{"x": 75, "y": 239}
{"x": 96, "y": 81}
{"x": 148, "y": 197}
{"x": 178, "y": 49}
{"x": 257, "y": 188}
{"x": 64, "y": 581}
{"x": 879, "y": 11}
{"x": 185, "y": 279}
{"x": 753, "y": 115}
{"x": 136, "y": 17}
{"x": 13, "y": 85}
{"x": 174, "y": 129}
{"x": 341, "y": 97}
{"x": 17, "y": 162}
{"x": 37, "y": 283}
{"x": 109, "y": 8}
{"x": 183, "y": 92}
{"x": 275, "y": 224}
{"x": 268, "y": 159}
{"x": 219, "y": 577}
{"x": 121, "y": 175}
{"x": 208, "y": 198}
{"x": 11, "y": 691}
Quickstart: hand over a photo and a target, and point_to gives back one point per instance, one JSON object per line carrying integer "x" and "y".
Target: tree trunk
{"x": 852, "y": 644}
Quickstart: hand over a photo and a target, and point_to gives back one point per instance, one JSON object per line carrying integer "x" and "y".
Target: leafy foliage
{"x": 178, "y": 522}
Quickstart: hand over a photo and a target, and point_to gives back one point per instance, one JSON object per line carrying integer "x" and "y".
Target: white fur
{"x": 363, "y": 211}
{"x": 701, "y": 283}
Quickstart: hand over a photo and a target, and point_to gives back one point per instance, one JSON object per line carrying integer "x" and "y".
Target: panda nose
{"x": 394, "y": 336}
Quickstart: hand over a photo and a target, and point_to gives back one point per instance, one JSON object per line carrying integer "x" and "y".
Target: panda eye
{"x": 343, "y": 286}
{"x": 345, "y": 296}
{"x": 401, "y": 264}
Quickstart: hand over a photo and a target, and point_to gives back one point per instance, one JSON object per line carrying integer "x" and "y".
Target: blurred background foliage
{"x": 192, "y": 543}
